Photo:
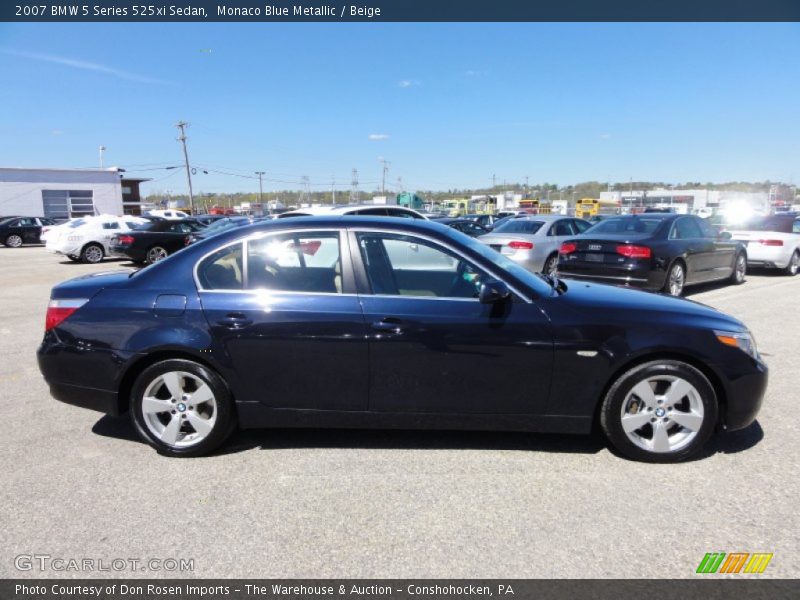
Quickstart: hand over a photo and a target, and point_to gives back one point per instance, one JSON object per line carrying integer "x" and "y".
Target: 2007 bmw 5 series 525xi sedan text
{"x": 386, "y": 322}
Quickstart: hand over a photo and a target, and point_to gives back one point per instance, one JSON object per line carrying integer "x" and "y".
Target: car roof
{"x": 543, "y": 218}
{"x": 342, "y": 209}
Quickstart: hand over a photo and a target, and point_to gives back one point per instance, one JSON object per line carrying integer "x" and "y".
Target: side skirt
{"x": 254, "y": 415}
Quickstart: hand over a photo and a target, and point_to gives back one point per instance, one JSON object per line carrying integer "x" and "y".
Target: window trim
{"x": 363, "y": 277}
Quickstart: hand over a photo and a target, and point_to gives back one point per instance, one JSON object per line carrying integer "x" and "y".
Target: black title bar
{"x": 150, "y": 11}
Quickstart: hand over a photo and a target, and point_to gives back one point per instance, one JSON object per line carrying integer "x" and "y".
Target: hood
{"x": 88, "y": 285}
{"x": 619, "y": 302}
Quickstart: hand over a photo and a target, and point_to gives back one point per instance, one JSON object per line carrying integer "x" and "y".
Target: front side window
{"x": 307, "y": 262}
{"x": 561, "y": 228}
{"x": 400, "y": 265}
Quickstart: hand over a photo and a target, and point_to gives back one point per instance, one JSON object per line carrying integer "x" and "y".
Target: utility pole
{"x": 526, "y": 182}
{"x": 260, "y": 187}
{"x": 333, "y": 189}
{"x": 101, "y": 149}
{"x": 354, "y": 190}
{"x": 182, "y": 125}
{"x": 494, "y": 180}
{"x": 306, "y": 195}
{"x": 386, "y": 164}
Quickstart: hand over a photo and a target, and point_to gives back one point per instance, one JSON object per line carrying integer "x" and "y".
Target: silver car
{"x": 533, "y": 240}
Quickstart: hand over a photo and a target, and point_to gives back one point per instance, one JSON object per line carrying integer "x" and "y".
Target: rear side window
{"x": 581, "y": 226}
{"x": 685, "y": 229}
{"x": 111, "y": 225}
{"x": 222, "y": 270}
{"x": 307, "y": 262}
{"x": 561, "y": 228}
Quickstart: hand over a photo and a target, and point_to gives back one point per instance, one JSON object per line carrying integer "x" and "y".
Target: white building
{"x": 694, "y": 200}
{"x": 61, "y": 193}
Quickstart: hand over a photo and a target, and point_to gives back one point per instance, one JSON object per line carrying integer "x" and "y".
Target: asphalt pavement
{"x": 380, "y": 504}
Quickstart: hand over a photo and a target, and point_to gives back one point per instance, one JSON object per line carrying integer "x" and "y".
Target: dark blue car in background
{"x": 382, "y": 322}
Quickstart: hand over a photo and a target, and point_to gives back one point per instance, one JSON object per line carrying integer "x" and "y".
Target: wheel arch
{"x": 710, "y": 374}
{"x": 134, "y": 370}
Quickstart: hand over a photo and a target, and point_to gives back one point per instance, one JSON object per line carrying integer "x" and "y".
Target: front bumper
{"x": 744, "y": 392}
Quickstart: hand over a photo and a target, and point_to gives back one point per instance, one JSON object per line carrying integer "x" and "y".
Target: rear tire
{"x": 181, "y": 408}
{"x": 675, "y": 282}
{"x": 662, "y": 411}
{"x": 794, "y": 264}
{"x": 156, "y": 253}
{"x": 13, "y": 241}
{"x": 92, "y": 254}
{"x": 739, "y": 269}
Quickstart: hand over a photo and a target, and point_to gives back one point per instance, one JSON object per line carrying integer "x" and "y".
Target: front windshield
{"x": 506, "y": 264}
{"x": 519, "y": 226}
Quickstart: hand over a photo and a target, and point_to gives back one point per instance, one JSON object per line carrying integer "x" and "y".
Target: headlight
{"x": 743, "y": 340}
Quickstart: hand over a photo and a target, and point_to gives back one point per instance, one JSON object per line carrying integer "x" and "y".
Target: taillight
{"x": 632, "y": 251}
{"x": 125, "y": 239}
{"x": 520, "y": 245}
{"x": 771, "y": 242}
{"x": 568, "y": 248}
{"x": 58, "y": 310}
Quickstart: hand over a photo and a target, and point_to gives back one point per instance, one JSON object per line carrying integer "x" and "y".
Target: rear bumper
{"x": 647, "y": 280}
{"x": 765, "y": 256}
{"x": 125, "y": 252}
{"x": 83, "y": 377}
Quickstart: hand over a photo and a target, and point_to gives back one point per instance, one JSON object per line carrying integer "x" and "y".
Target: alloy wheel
{"x": 551, "y": 266}
{"x": 663, "y": 413}
{"x": 677, "y": 279}
{"x": 93, "y": 254}
{"x": 156, "y": 253}
{"x": 14, "y": 241}
{"x": 179, "y": 409}
{"x": 741, "y": 268}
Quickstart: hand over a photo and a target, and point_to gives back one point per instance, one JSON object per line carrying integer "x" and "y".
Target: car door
{"x": 721, "y": 263}
{"x": 28, "y": 229}
{"x": 697, "y": 250}
{"x": 434, "y": 348}
{"x": 558, "y": 232}
{"x": 283, "y": 309}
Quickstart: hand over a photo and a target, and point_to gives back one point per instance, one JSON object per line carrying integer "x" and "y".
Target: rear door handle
{"x": 235, "y": 321}
{"x": 388, "y": 325}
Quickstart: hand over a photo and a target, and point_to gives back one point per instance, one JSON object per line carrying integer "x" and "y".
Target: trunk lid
{"x": 88, "y": 286}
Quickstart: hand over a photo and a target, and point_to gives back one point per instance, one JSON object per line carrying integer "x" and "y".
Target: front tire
{"x": 794, "y": 264}
{"x": 739, "y": 269}
{"x": 675, "y": 280}
{"x": 550, "y": 265}
{"x": 92, "y": 254}
{"x": 662, "y": 411}
{"x": 13, "y": 241}
{"x": 182, "y": 408}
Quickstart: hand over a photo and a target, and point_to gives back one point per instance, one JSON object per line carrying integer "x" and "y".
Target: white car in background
{"x": 170, "y": 214}
{"x": 772, "y": 242}
{"x": 87, "y": 239}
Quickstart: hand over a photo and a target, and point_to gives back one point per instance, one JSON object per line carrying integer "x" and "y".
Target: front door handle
{"x": 235, "y": 321}
{"x": 388, "y": 325}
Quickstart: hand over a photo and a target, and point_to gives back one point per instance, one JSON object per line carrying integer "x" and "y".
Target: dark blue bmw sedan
{"x": 370, "y": 322}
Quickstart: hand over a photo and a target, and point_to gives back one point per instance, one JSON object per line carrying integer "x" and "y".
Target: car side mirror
{"x": 493, "y": 291}
{"x": 724, "y": 235}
